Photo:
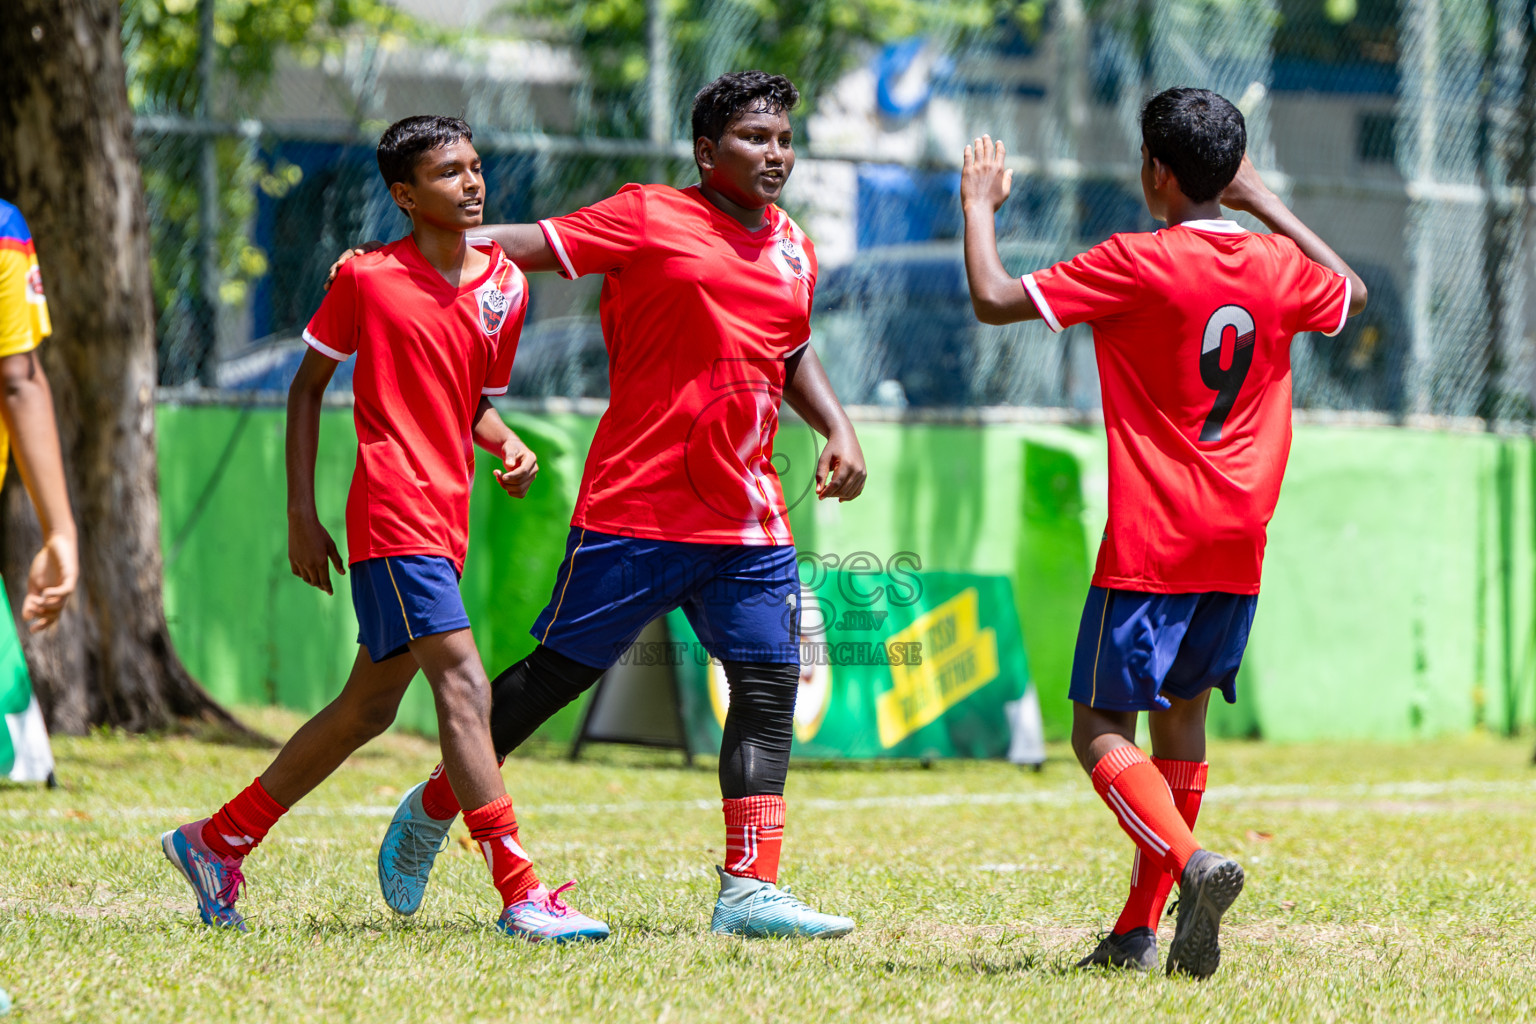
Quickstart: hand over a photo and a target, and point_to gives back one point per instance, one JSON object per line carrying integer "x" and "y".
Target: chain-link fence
{"x": 1404, "y": 131}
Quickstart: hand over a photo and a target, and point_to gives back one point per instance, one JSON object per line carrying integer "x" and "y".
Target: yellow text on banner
{"x": 959, "y": 658}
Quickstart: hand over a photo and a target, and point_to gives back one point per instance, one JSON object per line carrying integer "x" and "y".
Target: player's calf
{"x": 522, "y": 698}
{"x": 529, "y": 909}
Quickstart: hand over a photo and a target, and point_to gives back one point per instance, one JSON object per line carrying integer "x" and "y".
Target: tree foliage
{"x": 161, "y": 45}
{"x": 161, "y": 49}
{"x": 814, "y": 42}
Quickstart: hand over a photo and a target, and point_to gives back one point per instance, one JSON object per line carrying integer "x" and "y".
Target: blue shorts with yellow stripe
{"x": 400, "y": 598}
{"x": 1135, "y": 647}
{"x": 742, "y": 600}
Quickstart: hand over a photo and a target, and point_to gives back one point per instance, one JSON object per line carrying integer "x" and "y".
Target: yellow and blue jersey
{"x": 23, "y": 310}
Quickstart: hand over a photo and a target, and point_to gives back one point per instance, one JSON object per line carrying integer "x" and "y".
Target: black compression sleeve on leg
{"x": 754, "y": 752}
{"x": 527, "y": 694}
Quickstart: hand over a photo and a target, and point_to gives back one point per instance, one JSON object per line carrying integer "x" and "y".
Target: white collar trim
{"x": 1221, "y": 226}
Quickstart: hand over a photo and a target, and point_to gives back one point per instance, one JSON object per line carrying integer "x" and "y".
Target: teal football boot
{"x": 411, "y": 844}
{"x": 761, "y": 910}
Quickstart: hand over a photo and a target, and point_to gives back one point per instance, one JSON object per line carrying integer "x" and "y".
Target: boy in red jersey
{"x": 434, "y": 320}
{"x": 1192, "y": 327}
{"x": 706, "y": 315}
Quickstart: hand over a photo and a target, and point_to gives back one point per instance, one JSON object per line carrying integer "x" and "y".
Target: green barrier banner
{"x": 894, "y": 664}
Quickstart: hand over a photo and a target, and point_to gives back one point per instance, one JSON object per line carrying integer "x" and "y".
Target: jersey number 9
{"x": 1225, "y": 382}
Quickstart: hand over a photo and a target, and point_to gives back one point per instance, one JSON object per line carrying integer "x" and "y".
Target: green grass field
{"x": 1385, "y": 883}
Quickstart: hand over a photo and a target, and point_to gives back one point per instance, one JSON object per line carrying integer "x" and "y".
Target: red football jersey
{"x": 426, "y": 352}
{"x": 1192, "y": 327}
{"x": 698, "y": 315}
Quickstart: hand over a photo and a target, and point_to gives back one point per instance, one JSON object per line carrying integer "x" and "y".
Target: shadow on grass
{"x": 620, "y": 755}
{"x": 334, "y": 925}
{"x": 659, "y": 930}
{"x": 976, "y": 963}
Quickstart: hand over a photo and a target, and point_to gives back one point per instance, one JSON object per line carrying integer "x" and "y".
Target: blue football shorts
{"x": 1134, "y": 648}
{"x": 399, "y": 598}
{"x": 742, "y": 601}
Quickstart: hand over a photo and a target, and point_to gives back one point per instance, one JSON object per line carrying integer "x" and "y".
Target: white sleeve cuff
{"x": 556, "y": 244}
{"x": 1344, "y": 315}
{"x": 493, "y": 392}
{"x": 1040, "y": 303}
{"x": 324, "y": 349}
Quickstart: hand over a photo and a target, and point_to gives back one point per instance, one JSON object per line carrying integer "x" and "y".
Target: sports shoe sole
{"x": 1196, "y": 949}
{"x": 835, "y": 932}
{"x": 559, "y": 940}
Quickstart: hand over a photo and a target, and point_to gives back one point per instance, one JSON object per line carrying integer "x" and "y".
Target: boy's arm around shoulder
{"x": 997, "y": 297}
{"x": 1249, "y": 194}
{"x": 524, "y": 244}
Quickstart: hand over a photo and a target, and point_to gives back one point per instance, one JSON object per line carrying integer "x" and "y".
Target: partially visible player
{"x": 31, "y": 433}
{"x": 1192, "y": 327}
{"x": 434, "y": 320}
{"x": 706, "y": 315}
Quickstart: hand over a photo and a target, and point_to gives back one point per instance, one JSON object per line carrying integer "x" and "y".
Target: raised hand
{"x": 1247, "y": 192}
{"x": 983, "y": 176}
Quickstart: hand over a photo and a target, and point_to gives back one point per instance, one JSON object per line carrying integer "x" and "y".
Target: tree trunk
{"x": 66, "y": 135}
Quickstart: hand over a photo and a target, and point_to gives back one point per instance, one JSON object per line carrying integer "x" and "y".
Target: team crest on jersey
{"x": 34, "y": 285}
{"x": 493, "y": 309}
{"x": 793, "y": 257}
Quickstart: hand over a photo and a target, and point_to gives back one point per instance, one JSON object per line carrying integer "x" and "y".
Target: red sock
{"x": 1136, "y": 791}
{"x": 495, "y": 828}
{"x": 1150, "y": 885}
{"x": 437, "y": 798}
{"x": 241, "y": 825}
{"x": 754, "y": 832}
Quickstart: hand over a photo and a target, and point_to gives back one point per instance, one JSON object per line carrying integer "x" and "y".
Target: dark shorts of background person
{"x": 1136, "y": 649}
{"x": 743, "y": 601}
{"x": 399, "y": 598}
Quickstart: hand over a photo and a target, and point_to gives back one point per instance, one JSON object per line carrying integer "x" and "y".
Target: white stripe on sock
{"x": 1134, "y": 824}
{"x": 748, "y": 850}
{"x": 511, "y": 844}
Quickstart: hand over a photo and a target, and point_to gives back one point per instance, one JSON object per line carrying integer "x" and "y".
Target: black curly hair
{"x": 731, "y": 95}
{"x": 1199, "y": 136}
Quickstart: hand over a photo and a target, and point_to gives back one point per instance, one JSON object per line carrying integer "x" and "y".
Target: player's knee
{"x": 548, "y": 679}
{"x": 1081, "y": 743}
{"x": 1087, "y": 727}
{"x": 764, "y": 691}
{"x": 369, "y": 718}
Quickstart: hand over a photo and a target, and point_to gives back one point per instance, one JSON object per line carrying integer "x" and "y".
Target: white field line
{"x": 1058, "y": 796}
